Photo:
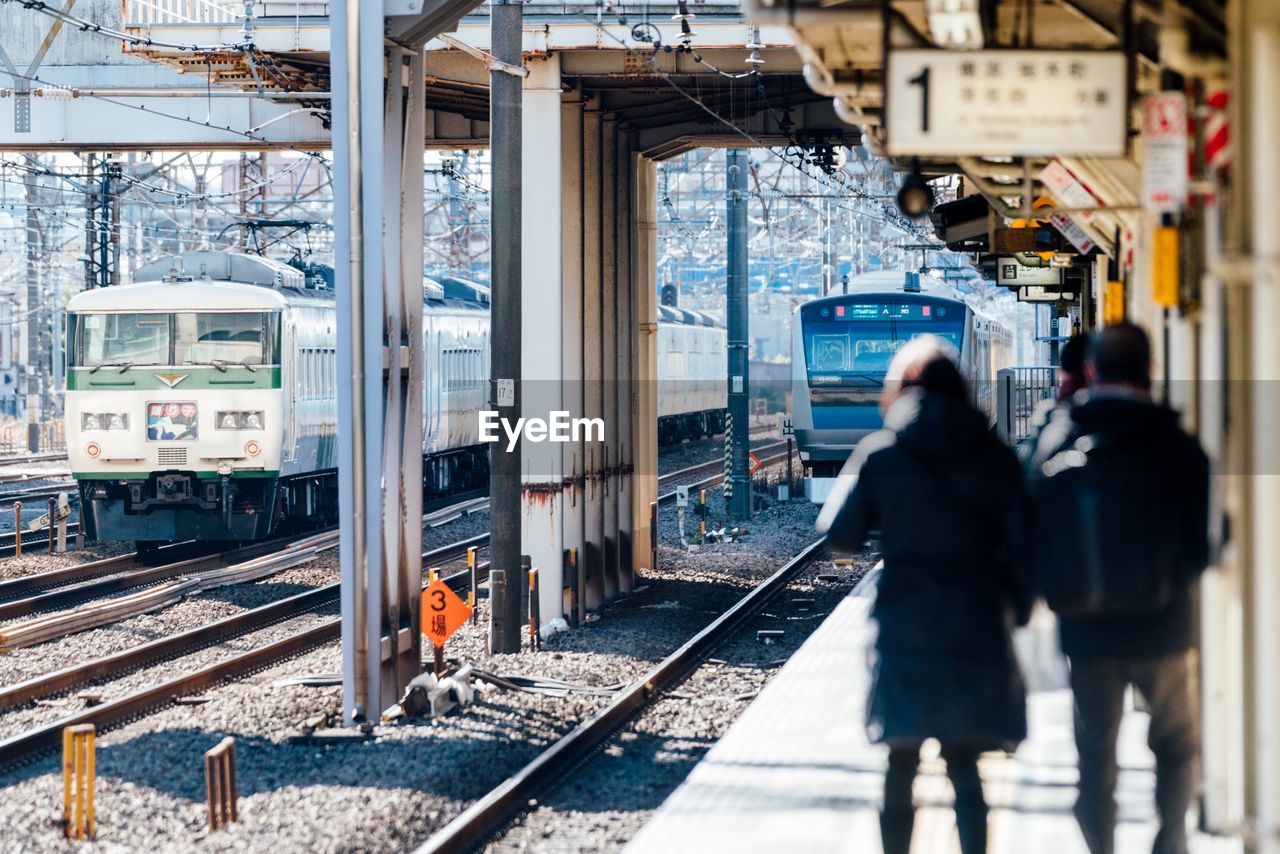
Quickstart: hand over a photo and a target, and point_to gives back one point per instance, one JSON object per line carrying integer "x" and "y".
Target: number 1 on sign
{"x": 922, "y": 80}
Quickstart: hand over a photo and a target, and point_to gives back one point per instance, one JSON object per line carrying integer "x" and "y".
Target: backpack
{"x": 1107, "y": 544}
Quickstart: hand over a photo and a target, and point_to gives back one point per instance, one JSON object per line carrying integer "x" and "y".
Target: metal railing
{"x": 151, "y": 12}
{"x": 1018, "y": 392}
{"x": 15, "y": 437}
{"x": 146, "y": 13}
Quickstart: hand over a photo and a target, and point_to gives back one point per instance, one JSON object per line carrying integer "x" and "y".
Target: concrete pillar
{"x": 1263, "y": 590}
{"x": 592, "y": 354}
{"x": 624, "y": 330}
{"x": 379, "y": 296}
{"x": 644, "y": 365}
{"x": 609, "y": 350}
{"x": 574, "y": 458}
{"x": 542, "y": 467}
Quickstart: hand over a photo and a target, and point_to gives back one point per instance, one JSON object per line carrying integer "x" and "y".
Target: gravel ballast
{"x": 391, "y": 791}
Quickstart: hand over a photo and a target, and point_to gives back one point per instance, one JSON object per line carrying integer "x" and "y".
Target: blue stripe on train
{"x": 864, "y": 416}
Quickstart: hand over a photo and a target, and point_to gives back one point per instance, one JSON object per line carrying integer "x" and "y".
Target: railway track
{"x": 50, "y": 457}
{"x": 36, "y": 540}
{"x": 514, "y": 795}
{"x": 26, "y": 746}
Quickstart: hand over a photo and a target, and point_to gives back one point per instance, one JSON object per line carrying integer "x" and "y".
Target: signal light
{"x": 92, "y": 449}
{"x": 252, "y": 448}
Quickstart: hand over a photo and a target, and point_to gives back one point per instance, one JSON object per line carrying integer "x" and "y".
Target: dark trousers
{"x": 1169, "y": 687}
{"x": 899, "y": 812}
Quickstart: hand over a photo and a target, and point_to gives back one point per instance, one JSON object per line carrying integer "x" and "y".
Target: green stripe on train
{"x": 143, "y": 475}
{"x": 190, "y": 379}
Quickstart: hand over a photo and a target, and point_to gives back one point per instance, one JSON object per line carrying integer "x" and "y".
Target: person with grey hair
{"x": 949, "y": 502}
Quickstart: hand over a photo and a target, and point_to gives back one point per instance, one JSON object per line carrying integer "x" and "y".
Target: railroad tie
{"x": 221, "y": 788}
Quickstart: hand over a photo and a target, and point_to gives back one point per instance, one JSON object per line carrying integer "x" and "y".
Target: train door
{"x": 291, "y": 378}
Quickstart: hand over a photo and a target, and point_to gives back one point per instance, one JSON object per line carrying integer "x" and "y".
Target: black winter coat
{"x": 1147, "y": 428}
{"x": 951, "y": 506}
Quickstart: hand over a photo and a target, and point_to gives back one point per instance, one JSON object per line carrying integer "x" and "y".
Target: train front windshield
{"x": 848, "y": 347}
{"x": 181, "y": 338}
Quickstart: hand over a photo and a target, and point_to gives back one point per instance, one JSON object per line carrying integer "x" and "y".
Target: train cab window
{"x": 126, "y": 338}
{"x": 222, "y": 337}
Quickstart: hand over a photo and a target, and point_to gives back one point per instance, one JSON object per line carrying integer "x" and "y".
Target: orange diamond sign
{"x": 753, "y": 463}
{"x": 443, "y": 613}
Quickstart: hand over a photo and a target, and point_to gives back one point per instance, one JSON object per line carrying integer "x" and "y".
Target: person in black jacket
{"x": 949, "y": 502}
{"x": 1151, "y": 651}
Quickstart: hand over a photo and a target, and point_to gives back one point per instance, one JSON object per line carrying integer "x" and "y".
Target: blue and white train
{"x": 843, "y": 345}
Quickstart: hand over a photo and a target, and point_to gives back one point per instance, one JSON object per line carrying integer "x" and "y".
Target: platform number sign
{"x": 1006, "y": 102}
{"x": 443, "y": 612}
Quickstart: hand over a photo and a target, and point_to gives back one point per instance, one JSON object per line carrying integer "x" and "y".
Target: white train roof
{"x": 184, "y": 296}
{"x": 222, "y": 266}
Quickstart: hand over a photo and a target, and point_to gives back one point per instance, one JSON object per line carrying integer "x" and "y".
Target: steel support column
{"x": 506, "y": 581}
{"x": 736, "y": 316}
{"x": 625, "y": 385}
{"x": 571, "y": 363}
{"x": 609, "y": 354}
{"x": 592, "y": 354}
{"x": 1262, "y": 97}
{"x": 644, "y": 365}
{"x": 542, "y": 466}
{"x": 378, "y": 247}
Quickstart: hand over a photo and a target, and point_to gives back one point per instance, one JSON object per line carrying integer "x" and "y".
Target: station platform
{"x": 796, "y": 773}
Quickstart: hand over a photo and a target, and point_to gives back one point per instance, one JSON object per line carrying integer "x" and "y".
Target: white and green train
{"x": 202, "y": 400}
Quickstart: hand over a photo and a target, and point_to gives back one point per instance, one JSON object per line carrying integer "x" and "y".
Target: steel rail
{"x": 92, "y": 588}
{"x": 27, "y": 746}
{"x": 52, "y": 456}
{"x": 134, "y": 658}
{"x": 31, "y": 539}
{"x": 57, "y": 577}
{"x": 475, "y": 824}
{"x": 712, "y": 465}
{"x": 765, "y": 462}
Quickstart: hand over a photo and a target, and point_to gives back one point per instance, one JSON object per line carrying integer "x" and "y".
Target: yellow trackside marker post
{"x": 473, "y": 572}
{"x": 1165, "y": 266}
{"x": 77, "y": 781}
{"x": 432, "y": 575}
{"x": 222, "y": 791}
{"x": 535, "y": 640}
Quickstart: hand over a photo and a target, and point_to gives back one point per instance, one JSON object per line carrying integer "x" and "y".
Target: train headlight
{"x": 252, "y": 448}
{"x": 231, "y": 420}
{"x": 92, "y": 449}
{"x": 90, "y": 421}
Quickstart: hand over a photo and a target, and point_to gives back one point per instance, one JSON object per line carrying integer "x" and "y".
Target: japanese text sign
{"x": 1006, "y": 102}
{"x": 443, "y": 612}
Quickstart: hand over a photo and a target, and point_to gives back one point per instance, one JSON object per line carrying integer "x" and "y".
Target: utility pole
{"x": 32, "y": 370}
{"x": 506, "y": 91}
{"x": 738, "y": 336}
{"x": 90, "y": 225}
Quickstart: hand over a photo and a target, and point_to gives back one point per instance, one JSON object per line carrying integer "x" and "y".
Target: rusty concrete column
{"x": 592, "y": 355}
{"x": 541, "y": 464}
